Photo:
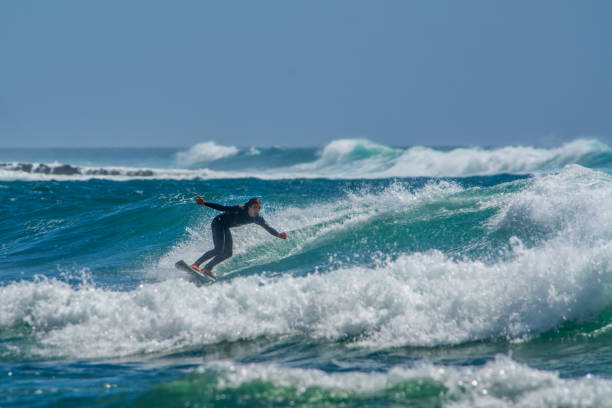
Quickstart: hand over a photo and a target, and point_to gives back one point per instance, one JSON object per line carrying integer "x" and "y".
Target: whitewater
{"x": 459, "y": 276}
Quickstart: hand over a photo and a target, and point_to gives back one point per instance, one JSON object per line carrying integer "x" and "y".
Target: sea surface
{"x": 411, "y": 276}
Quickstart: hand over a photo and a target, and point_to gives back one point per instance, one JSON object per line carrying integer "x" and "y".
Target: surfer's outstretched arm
{"x": 214, "y": 206}
{"x": 261, "y": 222}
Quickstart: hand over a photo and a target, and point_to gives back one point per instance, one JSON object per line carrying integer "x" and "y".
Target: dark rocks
{"x": 68, "y": 170}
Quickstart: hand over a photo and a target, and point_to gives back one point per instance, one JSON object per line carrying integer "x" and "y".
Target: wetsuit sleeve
{"x": 260, "y": 221}
{"x": 219, "y": 207}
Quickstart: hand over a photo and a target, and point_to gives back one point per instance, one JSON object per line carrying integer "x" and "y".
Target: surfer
{"x": 233, "y": 216}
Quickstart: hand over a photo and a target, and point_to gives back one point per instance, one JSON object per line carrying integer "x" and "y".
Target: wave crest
{"x": 459, "y": 162}
{"x": 205, "y": 152}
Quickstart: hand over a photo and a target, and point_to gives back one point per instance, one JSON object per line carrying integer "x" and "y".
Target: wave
{"x": 329, "y": 231}
{"x": 460, "y": 162}
{"x": 420, "y": 299}
{"x": 356, "y": 158}
{"x": 340, "y": 157}
{"x": 461, "y": 218}
{"x": 361, "y": 158}
{"x": 344, "y": 158}
{"x": 545, "y": 258}
{"x": 206, "y": 152}
{"x": 501, "y": 382}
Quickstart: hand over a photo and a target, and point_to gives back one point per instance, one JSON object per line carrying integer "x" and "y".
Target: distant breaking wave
{"x": 423, "y": 161}
{"x": 206, "y": 152}
{"x": 364, "y": 159}
{"x": 343, "y": 158}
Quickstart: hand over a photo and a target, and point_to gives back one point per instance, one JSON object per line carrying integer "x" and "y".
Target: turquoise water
{"x": 411, "y": 276}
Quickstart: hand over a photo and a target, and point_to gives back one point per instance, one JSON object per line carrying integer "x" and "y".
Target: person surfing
{"x": 232, "y": 216}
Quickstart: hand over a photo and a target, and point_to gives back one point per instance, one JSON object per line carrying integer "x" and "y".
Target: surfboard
{"x": 200, "y": 277}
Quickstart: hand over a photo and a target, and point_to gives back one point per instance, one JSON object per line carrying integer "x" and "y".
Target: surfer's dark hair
{"x": 252, "y": 201}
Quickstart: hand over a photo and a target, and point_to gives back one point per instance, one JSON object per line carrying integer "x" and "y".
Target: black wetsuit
{"x": 234, "y": 216}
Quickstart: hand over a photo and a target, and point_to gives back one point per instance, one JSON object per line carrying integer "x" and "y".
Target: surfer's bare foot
{"x": 196, "y": 268}
{"x": 209, "y": 273}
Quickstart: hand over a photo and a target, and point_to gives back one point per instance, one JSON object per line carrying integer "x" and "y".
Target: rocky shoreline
{"x": 68, "y": 170}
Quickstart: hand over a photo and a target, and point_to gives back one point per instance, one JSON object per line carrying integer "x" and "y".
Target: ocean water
{"x": 455, "y": 277}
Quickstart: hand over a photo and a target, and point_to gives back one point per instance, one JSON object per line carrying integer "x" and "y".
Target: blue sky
{"x": 401, "y": 73}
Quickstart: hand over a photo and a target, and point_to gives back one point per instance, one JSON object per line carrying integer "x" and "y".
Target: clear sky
{"x": 303, "y": 73}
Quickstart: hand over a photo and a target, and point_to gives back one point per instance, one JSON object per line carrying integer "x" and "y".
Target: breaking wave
{"x": 344, "y": 158}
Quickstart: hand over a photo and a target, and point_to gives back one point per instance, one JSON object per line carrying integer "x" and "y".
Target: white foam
{"x": 572, "y": 203}
{"x": 499, "y": 383}
{"x": 206, "y": 152}
{"x": 423, "y": 161}
{"x": 416, "y": 300}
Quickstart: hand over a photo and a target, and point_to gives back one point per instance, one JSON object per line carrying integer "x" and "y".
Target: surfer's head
{"x": 254, "y": 206}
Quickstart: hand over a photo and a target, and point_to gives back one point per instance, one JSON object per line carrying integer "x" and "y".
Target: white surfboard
{"x": 201, "y": 277}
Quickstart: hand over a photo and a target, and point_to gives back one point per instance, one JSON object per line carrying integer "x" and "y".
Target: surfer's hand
{"x": 282, "y": 235}
{"x": 200, "y": 200}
